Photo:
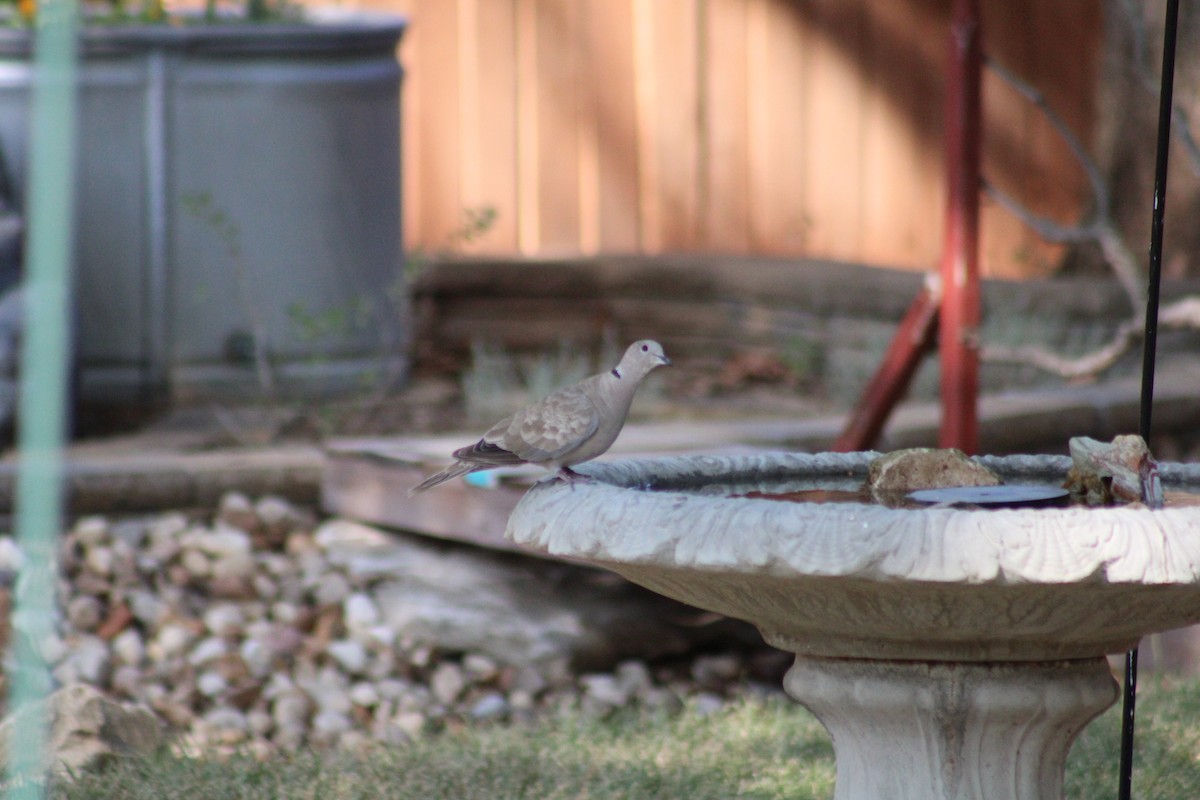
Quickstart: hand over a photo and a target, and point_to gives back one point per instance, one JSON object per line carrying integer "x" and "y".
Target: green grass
{"x": 752, "y": 750}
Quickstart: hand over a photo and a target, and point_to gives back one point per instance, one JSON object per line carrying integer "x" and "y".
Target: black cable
{"x": 1165, "y": 100}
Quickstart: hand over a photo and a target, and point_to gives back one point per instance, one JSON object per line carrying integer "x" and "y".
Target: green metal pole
{"x": 45, "y": 356}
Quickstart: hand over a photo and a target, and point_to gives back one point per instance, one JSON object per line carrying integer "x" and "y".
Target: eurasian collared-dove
{"x": 564, "y": 428}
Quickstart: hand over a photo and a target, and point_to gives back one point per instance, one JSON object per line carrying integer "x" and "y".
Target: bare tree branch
{"x": 1149, "y": 79}
{"x": 1044, "y": 227}
{"x": 1033, "y": 95}
{"x": 1183, "y": 314}
{"x": 1101, "y": 228}
{"x": 1071, "y": 367}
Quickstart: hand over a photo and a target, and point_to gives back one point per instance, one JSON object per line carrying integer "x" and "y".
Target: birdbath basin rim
{"x": 866, "y": 581}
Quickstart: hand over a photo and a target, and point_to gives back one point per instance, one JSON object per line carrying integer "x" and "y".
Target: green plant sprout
{"x": 202, "y": 206}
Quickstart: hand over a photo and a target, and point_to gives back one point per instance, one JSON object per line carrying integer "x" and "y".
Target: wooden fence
{"x": 775, "y": 127}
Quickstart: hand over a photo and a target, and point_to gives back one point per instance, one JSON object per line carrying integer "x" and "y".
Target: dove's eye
{"x": 645, "y": 348}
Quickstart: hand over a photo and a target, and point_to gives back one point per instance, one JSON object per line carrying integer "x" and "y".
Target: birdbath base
{"x": 915, "y": 730}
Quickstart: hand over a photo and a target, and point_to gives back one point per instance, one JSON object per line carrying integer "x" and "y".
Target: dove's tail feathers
{"x": 449, "y": 473}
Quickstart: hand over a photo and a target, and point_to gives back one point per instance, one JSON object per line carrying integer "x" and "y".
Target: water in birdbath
{"x": 1101, "y": 474}
{"x": 1032, "y": 495}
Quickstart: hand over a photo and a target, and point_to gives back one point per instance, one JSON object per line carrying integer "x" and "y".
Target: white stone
{"x": 349, "y": 654}
{"x": 328, "y": 688}
{"x": 168, "y": 526}
{"x": 273, "y": 510}
{"x": 411, "y": 723}
{"x": 520, "y": 700}
{"x": 604, "y": 689}
{"x": 99, "y": 559}
{"x": 393, "y": 688}
{"x": 171, "y": 640}
{"x": 331, "y": 587}
{"x": 147, "y": 607}
{"x": 360, "y": 611}
{"x": 84, "y": 613}
{"x": 336, "y": 535}
{"x": 235, "y": 503}
{"x": 715, "y": 669}
{"x": 88, "y": 660}
{"x": 492, "y": 705}
{"x": 124, "y": 563}
{"x": 91, "y": 531}
{"x": 259, "y": 721}
{"x": 378, "y": 636}
{"x": 278, "y": 684}
{"x": 479, "y": 667}
{"x": 211, "y": 684}
{"x": 264, "y": 586}
{"x": 364, "y": 694}
{"x": 128, "y": 680}
{"x": 129, "y": 532}
{"x": 11, "y": 557}
{"x": 207, "y": 650}
{"x": 257, "y": 656}
{"x": 291, "y": 709}
{"x": 196, "y": 563}
{"x": 634, "y": 677}
{"x": 382, "y": 664}
{"x": 128, "y": 647}
{"x": 277, "y": 564}
{"x": 235, "y": 566}
{"x": 224, "y": 619}
{"x": 224, "y": 718}
{"x": 53, "y": 648}
{"x": 328, "y": 725}
{"x": 706, "y": 703}
{"x": 223, "y": 541}
{"x": 447, "y": 682}
{"x": 286, "y": 613}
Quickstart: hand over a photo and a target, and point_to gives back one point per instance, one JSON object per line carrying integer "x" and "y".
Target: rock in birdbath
{"x": 1105, "y": 474}
{"x": 925, "y": 468}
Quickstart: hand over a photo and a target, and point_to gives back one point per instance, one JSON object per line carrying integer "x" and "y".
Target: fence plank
{"x": 777, "y": 112}
{"x": 807, "y": 129}
{"x": 437, "y": 126}
{"x": 496, "y": 136}
{"x": 723, "y": 130}
{"x": 895, "y": 141}
{"x": 675, "y": 64}
{"x": 834, "y": 138}
{"x": 610, "y": 80}
{"x": 558, "y": 121}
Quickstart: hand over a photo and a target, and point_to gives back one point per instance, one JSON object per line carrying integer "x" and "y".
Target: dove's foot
{"x": 570, "y": 476}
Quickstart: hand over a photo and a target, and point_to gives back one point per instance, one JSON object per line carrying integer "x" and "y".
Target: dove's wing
{"x": 550, "y": 428}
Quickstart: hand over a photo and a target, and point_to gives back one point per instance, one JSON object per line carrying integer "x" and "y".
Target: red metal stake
{"x": 913, "y": 339}
{"x": 958, "y": 347}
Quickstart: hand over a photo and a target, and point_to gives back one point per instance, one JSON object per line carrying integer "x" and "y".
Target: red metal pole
{"x": 959, "y": 318}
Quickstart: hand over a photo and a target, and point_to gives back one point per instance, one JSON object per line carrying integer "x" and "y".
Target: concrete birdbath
{"x": 950, "y": 652}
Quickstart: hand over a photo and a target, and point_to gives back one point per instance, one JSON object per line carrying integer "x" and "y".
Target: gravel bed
{"x": 235, "y": 628}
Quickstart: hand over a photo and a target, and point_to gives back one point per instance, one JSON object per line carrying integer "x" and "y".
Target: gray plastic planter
{"x": 234, "y": 180}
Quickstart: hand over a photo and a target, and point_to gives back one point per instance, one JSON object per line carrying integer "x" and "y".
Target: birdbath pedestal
{"x": 950, "y": 653}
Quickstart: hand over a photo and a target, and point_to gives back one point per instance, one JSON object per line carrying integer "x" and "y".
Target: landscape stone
{"x": 84, "y": 728}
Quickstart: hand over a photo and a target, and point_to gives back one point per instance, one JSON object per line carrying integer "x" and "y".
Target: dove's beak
{"x": 666, "y": 362}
